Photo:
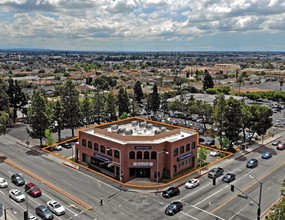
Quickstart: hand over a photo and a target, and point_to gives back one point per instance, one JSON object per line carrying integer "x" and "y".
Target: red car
{"x": 33, "y": 190}
{"x": 280, "y": 147}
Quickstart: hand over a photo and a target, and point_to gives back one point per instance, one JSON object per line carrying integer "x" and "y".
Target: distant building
{"x": 138, "y": 147}
{"x": 225, "y": 68}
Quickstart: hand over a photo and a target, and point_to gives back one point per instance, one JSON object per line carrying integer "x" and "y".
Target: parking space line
{"x": 184, "y": 213}
{"x": 209, "y": 213}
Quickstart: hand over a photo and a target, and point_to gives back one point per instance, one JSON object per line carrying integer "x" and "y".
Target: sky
{"x": 143, "y": 25}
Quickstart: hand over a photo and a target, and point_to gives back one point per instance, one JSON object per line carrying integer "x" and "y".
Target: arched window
{"x": 132, "y": 155}
{"x": 102, "y": 149}
{"x": 187, "y": 147}
{"x": 84, "y": 142}
{"x": 139, "y": 155}
{"x": 153, "y": 155}
{"x": 175, "y": 152}
{"x": 194, "y": 145}
{"x": 109, "y": 151}
{"x": 146, "y": 155}
{"x": 116, "y": 154}
{"x": 90, "y": 144}
{"x": 96, "y": 147}
{"x": 182, "y": 150}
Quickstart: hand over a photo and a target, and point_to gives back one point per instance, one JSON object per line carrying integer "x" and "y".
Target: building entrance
{"x": 140, "y": 172}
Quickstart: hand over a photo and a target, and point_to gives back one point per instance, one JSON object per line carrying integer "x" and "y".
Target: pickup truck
{"x": 216, "y": 172}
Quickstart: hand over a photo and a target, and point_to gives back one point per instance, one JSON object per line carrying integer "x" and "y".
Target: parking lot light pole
{"x": 157, "y": 160}
{"x": 260, "y": 193}
{"x": 5, "y": 213}
{"x": 120, "y": 167}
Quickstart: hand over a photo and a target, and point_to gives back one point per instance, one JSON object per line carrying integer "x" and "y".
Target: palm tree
{"x": 239, "y": 81}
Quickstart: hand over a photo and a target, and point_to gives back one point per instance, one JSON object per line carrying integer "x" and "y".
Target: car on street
{"x": 57, "y": 148}
{"x": 266, "y": 155}
{"x": 44, "y": 212}
{"x": 170, "y": 192}
{"x": 17, "y": 179}
{"x": 280, "y": 147}
{"x": 66, "y": 145}
{"x": 3, "y": 183}
{"x": 229, "y": 177}
{"x": 275, "y": 143}
{"x": 216, "y": 172}
{"x": 33, "y": 190}
{"x": 210, "y": 142}
{"x": 215, "y": 153}
{"x": 192, "y": 183}
{"x": 56, "y": 207}
{"x": 252, "y": 163}
{"x": 173, "y": 208}
{"x": 16, "y": 195}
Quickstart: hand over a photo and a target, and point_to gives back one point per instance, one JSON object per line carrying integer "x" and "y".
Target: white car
{"x": 3, "y": 183}
{"x": 17, "y": 195}
{"x": 192, "y": 183}
{"x": 56, "y": 207}
{"x": 31, "y": 217}
{"x": 57, "y": 148}
{"x": 215, "y": 153}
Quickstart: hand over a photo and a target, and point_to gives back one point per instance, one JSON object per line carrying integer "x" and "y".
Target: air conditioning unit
{"x": 128, "y": 132}
{"x": 149, "y": 126}
{"x": 134, "y": 123}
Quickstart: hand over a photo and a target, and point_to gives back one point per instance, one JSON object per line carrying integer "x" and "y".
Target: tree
{"x": 239, "y": 81}
{"x": 49, "y": 138}
{"x": 58, "y": 118}
{"x": 98, "y": 106}
{"x": 262, "y": 118}
{"x": 138, "y": 92}
{"x": 164, "y": 103}
{"x": 4, "y": 107}
{"x": 155, "y": 99}
{"x": 17, "y": 97}
{"x": 123, "y": 101}
{"x": 219, "y": 114}
{"x": 71, "y": 106}
{"x": 202, "y": 156}
{"x": 111, "y": 106}
{"x": 4, "y": 119}
{"x": 87, "y": 113}
{"x": 281, "y": 82}
{"x": 246, "y": 118}
{"x": 207, "y": 81}
{"x": 39, "y": 116}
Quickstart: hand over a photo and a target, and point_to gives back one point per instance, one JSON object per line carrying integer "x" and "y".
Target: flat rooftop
{"x": 139, "y": 130}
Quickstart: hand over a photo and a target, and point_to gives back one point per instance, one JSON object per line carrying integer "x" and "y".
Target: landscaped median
{"x": 52, "y": 186}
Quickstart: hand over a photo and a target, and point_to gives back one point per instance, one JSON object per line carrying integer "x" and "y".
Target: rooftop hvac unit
{"x": 157, "y": 131}
{"x": 142, "y": 124}
{"x": 163, "y": 129}
{"x": 128, "y": 132}
{"x": 122, "y": 130}
{"x": 134, "y": 123}
{"x": 149, "y": 126}
{"x": 115, "y": 130}
{"x": 114, "y": 127}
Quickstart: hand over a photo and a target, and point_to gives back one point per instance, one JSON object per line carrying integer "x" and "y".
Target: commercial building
{"x": 138, "y": 148}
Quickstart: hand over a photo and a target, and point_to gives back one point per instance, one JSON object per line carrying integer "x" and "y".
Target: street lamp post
{"x": 157, "y": 160}
{"x": 260, "y": 193}
{"x": 5, "y": 213}
{"x": 120, "y": 167}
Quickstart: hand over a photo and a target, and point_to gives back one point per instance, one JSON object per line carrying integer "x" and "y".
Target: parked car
{"x": 252, "y": 163}
{"x": 215, "y": 153}
{"x": 280, "y": 147}
{"x": 210, "y": 142}
{"x": 229, "y": 177}
{"x": 17, "y": 179}
{"x": 16, "y": 195}
{"x": 216, "y": 172}
{"x": 31, "y": 217}
{"x": 170, "y": 192}
{"x": 275, "y": 143}
{"x": 57, "y": 147}
{"x": 56, "y": 207}
{"x": 192, "y": 183}
{"x": 44, "y": 212}
{"x": 173, "y": 208}
{"x": 266, "y": 155}
{"x": 3, "y": 183}
{"x": 33, "y": 190}
{"x": 66, "y": 145}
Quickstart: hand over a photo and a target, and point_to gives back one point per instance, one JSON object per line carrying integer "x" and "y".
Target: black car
{"x": 229, "y": 177}
{"x": 252, "y": 163}
{"x": 210, "y": 142}
{"x": 216, "y": 172}
{"x": 170, "y": 192}
{"x": 44, "y": 212}
{"x": 66, "y": 145}
{"x": 17, "y": 179}
{"x": 173, "y": 208}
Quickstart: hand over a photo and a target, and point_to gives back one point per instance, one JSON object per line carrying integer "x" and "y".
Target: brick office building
{"x": 139, "y": 148}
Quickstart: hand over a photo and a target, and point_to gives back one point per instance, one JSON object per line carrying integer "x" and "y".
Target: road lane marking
{"x": 184, "y": 213}
{"x": 238, "y": 212}
{"x": 209, "y": 213}
{"x": 2, "y": 192}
